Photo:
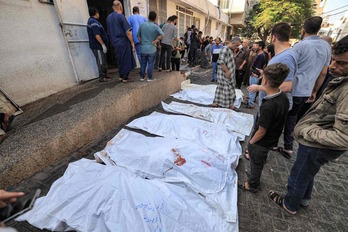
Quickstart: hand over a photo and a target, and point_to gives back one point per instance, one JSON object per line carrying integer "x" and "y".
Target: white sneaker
{"x": 149, "y": 80}
{"x": 142, "y": 79}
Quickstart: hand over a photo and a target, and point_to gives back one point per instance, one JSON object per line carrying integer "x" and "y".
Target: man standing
{"x": 225, "y": 94}
{"x": 215, "y": 51}
{"x": 97, "y": 43}
{"x": 322, "y": 134}
{"x": 135, "y": 21}
{"x": 280, "y": 37}
{"x": 259, "y": 63}
{"x": 314, "y": 55}
{"x": 149, "y": 34}
{"x": 241, "y": 61}
{"x": 121, "y": 37}
{"x": 170, "y": 33}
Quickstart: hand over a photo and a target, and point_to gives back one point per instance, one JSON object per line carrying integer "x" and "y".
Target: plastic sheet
{"x": 211, "y": 135}
{"x": 238, "y": 122}
{"x": 202, "y": 94}
{"x": 177, "y": 161}
{"x": 95, "y": 197}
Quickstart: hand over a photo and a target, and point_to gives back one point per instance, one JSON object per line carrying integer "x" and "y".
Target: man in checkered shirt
{"x": 225, "y": 94}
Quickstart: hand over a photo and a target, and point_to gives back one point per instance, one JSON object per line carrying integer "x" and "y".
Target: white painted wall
{"x": 34, "y": 60}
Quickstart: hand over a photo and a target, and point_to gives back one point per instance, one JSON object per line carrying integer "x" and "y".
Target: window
{"x": 225, "y": 4}
{"x": 185, "y": 19}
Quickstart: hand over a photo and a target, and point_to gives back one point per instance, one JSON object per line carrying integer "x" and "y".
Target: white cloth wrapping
{"x": 238, "y": 122}
{"x": 177, "y": 161}
{"x": 99, "y": 198}
{"x": 203, "y": 94}
{"x": 211, "y": 135}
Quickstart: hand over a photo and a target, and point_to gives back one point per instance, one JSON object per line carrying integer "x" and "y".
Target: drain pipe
{"x": 206, "y": 23}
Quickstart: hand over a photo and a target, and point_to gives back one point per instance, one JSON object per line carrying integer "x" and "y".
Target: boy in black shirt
{"x": 269, "y": 124}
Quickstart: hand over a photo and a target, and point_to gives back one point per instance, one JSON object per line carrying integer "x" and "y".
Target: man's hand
{"x": 228, "y": 74}
{"x": 312, "y": 98}
{"x": 8, "y": 197}
{"x": 155, "y": 41}
{"x": 260, "y": 71}
{"x": 253, "y": 88}
{"x": 105, "y": 50}
{"x": 133, "y": 47}
{"x": 241, "y": 67}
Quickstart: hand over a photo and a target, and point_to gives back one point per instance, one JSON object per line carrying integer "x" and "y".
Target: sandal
{"x": 283, "y": 152}
{"x": 246, "y": 187}
{"x": 246, "y": 153}
{"x": 279, "y": 200}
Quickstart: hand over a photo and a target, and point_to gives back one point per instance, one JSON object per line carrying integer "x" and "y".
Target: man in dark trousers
{"x": 97, "y": 42}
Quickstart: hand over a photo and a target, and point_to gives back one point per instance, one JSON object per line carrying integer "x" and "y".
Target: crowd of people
{"x": 156, "y": 46}
{"x": 311, "y": 77}
{"x": 302, "y": 90}
{"x": 298, "y": 94}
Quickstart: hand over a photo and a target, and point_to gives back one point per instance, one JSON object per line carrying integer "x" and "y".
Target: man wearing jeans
{"x": 149, "y": 34}
{"x": 135, "y": 21}
{"x": 259, "y": 63}
{"x": 215, "y": 51}
{"x": 322, "y": 134}
{"x": 170, "y": 33}
{"x": 313, "y": 58}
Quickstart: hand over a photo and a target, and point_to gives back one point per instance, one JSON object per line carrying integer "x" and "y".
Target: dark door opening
{"x": 105, "y": 8}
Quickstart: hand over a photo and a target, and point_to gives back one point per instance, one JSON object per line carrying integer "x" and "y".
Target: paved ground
{"x": 328, "y": 210}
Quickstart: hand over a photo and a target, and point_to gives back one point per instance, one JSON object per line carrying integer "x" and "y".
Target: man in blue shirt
{"x": 149, "y": 34}
{"x": 280, "y": 36}
{"x": 215, "y": 51}
{"x": 97, "y": 42}
{"x": 121, "y": 38}
{"x": 135, "y": 21}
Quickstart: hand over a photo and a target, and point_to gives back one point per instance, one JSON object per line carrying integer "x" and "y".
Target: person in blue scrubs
{"x": 135, "y": 21}
{"x": 121, "y": 38}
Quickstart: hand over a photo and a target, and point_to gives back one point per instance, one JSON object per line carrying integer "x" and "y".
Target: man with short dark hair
{"x": 98, "y": 39}
{"x": 170, "y": 32}
{"x": 241, "y": 60}
{"x": 322, "y": 134}
{"x": 258, "y": 64}
{"x": 135, "y": 21}
{"x": 121, "y": 38}
{"x": 149, "y": 34}
{"x": 313, "y": 58}
{"x": 280, "y": 37}
{"x": 215, "y": 51}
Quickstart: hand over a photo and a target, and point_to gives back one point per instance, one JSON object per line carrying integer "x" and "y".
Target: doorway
{"x": 105, "y": 8}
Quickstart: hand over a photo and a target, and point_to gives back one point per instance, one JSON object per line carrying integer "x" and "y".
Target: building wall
{"x": 34, "y": 60}
{"x": 198, "y": 18}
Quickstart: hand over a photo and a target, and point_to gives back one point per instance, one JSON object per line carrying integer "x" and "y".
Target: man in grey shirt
{"x": 170, "y": 32}
{"x": 313, "y": 57}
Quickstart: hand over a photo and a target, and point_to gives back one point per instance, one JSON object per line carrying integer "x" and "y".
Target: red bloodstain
{"x": 179, "y": 160}
{"x": 205, "y": 162}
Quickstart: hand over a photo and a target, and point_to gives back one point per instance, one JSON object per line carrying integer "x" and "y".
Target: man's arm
{"x": 336, "y": 136}
{"x": 130, "y": 37}
{"x": 225, "y": 69}
{"x": 260, "y": 133}
{"x": 318, "y": 84}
